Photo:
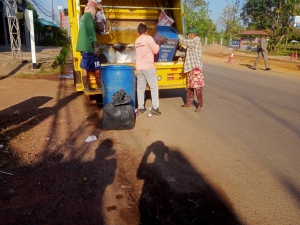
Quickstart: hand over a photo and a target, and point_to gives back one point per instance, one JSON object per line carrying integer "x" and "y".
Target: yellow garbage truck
{"x": 122, "y": 19}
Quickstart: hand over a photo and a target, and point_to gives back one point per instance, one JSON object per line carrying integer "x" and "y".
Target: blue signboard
{"x": 234, "y": 44}
{"x": 296, "y": 21}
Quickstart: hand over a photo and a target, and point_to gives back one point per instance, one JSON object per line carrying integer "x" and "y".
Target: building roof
{"x": 253, "y": 32}
{"x": 48, "y": 23}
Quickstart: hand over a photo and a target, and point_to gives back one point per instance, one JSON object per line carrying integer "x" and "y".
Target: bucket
{"x": 116, "y": 77}
{"x": 167, "y": 50}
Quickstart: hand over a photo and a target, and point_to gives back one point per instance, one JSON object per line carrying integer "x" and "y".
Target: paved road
{"x": 246, "y": 142}
{"x": 256, "y": 117}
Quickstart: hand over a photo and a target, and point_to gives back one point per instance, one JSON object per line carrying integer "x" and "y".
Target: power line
{"x": 41, "y": 8}
{"x": 60, "y": 2}
{"x": 45, "y": 11}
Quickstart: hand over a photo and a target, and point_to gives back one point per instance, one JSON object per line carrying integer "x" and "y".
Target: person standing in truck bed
{"x": 87, "y": 45}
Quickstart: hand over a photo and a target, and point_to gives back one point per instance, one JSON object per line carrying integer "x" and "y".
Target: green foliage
{"x": 272, "y": 15}
{"x": 197, "y": 14}
{"x": 49, "y": 41}
{"x": 20, "y": 15}
{"x": 61, "y": 58}
{"x": 295, "y": 34}
{"x": 42, "y": 68}
{"x": 284, "y": 50}
{"x": 62, "y": 34}
{"x": 60, "y": 38}
{"x": 64, "y": 53}
{"x": 230, "y": 20}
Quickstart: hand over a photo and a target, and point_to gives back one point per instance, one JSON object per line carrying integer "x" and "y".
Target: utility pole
{"x": 14, "y": 29}
{"x": 59, "y": 14}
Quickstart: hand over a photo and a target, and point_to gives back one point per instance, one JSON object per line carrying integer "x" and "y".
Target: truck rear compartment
{"x": 123, "y": 18}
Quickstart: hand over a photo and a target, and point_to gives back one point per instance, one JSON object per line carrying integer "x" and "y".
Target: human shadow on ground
{"x": 175, "y": 193}
{"x": 248, "y": 66}
{"x": 59, "y": 190}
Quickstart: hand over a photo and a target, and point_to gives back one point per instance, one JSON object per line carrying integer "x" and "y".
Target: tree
{"x": 295, "y": 34}
{"x": 197, "y": 14}
{"x": 194, "y": 4}
{"x": 274, "y": 16}
{"x": 230, "y": 19}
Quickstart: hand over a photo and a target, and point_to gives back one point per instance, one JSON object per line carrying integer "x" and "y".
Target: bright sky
{"x": 216, "y": 8}
{"x": 44, "y": 8}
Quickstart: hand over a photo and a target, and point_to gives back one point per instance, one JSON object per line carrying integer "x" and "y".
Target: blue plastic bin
{"x": 116, "y": 77}
{"x": 167, "y": 50}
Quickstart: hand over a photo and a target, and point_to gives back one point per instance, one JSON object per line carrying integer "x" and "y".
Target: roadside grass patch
{"x": 57, "y": 66}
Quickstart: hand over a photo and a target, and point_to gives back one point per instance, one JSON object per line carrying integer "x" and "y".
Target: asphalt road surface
{"x": 252, "y": 137}
{"x": 245, "y": 143}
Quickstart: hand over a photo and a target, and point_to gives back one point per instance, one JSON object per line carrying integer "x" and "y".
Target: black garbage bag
{"x": 118, "y": 114}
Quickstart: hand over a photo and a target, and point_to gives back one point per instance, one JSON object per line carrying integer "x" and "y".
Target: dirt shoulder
{"x": 217, "y": 54}
{"x": 45, "y": 56}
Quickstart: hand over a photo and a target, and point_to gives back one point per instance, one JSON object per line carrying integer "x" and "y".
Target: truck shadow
{"x": 169, "y": 93}
{"x": 175, "y": 193}
{"x": 173, "y": 93}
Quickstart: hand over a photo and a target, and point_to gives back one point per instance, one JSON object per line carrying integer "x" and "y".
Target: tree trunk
{"x": 286, "y": 41}
{"x": 276, "y": 45}
{"x": 287, "y": 35}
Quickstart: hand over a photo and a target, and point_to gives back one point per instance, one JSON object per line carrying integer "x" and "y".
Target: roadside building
{"x": 249, "y": 39}
{"x": 4, "y": 28}
{"x": 48, "y": 29}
